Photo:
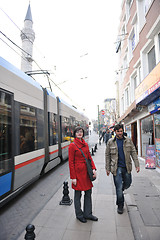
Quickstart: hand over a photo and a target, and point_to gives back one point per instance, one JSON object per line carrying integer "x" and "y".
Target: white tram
{"x": 36, "y": 128}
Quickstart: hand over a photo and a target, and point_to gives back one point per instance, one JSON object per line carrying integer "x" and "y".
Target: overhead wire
{"x": 15, "y": 44}
{"x": 27, "y": 52}
{"x": 13, "y": 49}
{"x": 21, "y": 30}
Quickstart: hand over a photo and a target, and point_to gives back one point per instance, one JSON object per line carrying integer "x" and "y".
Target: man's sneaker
{"x": 120, "y": 209}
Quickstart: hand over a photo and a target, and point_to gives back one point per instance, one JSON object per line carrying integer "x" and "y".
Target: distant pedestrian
{"x": 80, "y": 179}
{"x": 120, "y": 151}
{"x": 103, "y": 134}
{"x": 107, "y": 136}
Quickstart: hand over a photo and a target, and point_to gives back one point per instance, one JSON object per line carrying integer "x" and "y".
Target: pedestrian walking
{"x": 80, "y": 178}
{"x": 107, "y": 136}
{"x": 119, "y": 153}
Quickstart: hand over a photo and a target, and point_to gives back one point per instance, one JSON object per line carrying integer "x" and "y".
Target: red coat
{"x": 77, "y": 165}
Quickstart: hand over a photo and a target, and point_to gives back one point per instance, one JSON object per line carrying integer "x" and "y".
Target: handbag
{"x": 89, "y": 166}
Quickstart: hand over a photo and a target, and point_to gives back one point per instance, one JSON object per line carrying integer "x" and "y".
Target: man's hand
{"x": 74, "y": 181}
{"x": 108, "y": 172}
{"x": 137, "y": 169}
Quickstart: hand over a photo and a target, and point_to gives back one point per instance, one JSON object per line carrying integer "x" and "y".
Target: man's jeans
{"x": 122, "y": 181}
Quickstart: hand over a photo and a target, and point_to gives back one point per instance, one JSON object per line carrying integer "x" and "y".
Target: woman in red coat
{"x": 79, "y": 176}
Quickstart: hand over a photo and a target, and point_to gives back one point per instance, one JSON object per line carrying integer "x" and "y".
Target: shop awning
{"x": 150, "y": 98}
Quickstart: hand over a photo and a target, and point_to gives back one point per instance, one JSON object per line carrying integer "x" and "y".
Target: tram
{"x": 36, "y": 128}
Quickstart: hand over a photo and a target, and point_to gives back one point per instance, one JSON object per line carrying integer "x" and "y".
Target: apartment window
{"x": 151, "y": 59}
{"x": 125, "y": 64}
{"x": 139, "y": 75}
{"x": 123, "y": 30}
{"x": 133, "y": 87}
{"x": 133, "y": 41}
{"x": 122, "y": 104}
{"x": 147, "y": 5}
{"x": 159, "y": 41}
{"x": 135, "y": 82}
{"x": 127, "y": 97}
{"x": 128, "y": 7}
{"x": 129, "y": 4}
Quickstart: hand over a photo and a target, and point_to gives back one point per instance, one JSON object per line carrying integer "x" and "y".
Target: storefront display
{"x": 157, "y": 137}
{"x": 150, "y": 159}
{"x": 128, "y": 130}
{"x": 147, "y": 133}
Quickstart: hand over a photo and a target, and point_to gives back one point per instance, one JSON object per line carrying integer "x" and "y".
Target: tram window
{"x": 40, "y": 128}
{"x": 73, "y": 125}
{"x": 5, "y": 132}
{"x": 28, "y": 129}
{"x": 65, "y": 129}
{"x": 85, "y": 127}
{"x": 53, "y": 129}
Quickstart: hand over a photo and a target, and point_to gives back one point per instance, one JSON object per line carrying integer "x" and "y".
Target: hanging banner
{"x": 150, "y": 159}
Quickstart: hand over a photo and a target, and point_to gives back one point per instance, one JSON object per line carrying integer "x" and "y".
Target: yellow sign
{"x": 152, "y": 80}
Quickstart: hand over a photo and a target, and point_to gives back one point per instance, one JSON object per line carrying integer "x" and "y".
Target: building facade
{"x": 110, "y": 111}
{"x": 138, "y": 81}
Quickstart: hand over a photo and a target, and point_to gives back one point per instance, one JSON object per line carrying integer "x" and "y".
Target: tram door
{"x": 6, "y": 141}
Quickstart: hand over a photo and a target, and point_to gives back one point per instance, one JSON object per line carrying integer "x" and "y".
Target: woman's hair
{"x": 76, "y": 130}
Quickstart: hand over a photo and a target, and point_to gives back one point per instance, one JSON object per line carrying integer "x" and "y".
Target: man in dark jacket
{"x": 120, "y": 151}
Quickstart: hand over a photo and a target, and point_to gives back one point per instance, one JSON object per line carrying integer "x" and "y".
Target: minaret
{"x": 27, "y": 36}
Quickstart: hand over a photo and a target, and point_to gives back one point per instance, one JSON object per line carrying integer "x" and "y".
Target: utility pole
{"x": 98, "y": 122}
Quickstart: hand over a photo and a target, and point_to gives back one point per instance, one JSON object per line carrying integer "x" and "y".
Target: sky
{"x": 75, "y": 40}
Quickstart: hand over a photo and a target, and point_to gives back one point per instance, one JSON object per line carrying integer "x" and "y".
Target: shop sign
{"x": 154, "y": 106}
{"x": 149, "y": 84}
{"x": 150, "y": 159}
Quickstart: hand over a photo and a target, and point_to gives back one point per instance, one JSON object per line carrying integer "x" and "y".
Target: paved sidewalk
{"x": 143, "y": 203}
{"x": 58, "y": 222}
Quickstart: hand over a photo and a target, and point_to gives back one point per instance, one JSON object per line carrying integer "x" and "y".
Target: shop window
{"x": 157, "y": 137}
{"x": 147, "y": 133}
{"x": 128, "y": 130}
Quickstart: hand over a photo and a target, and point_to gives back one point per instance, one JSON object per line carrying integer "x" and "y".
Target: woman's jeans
{"x": 122, "y": 181}
{"x": 87, "y": 207}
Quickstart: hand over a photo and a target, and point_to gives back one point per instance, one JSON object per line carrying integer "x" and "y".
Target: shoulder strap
{"x": 81, "y": 151}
